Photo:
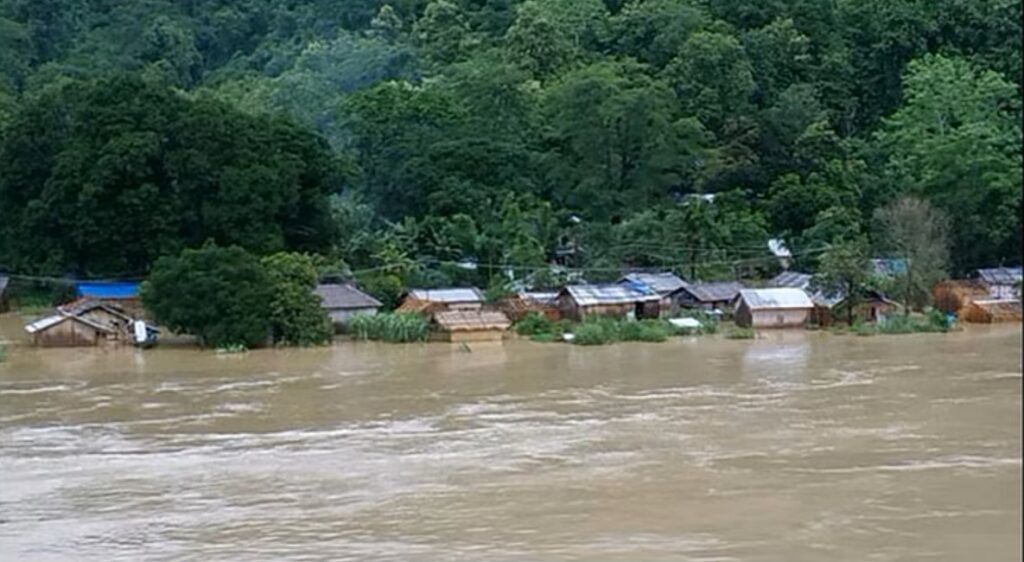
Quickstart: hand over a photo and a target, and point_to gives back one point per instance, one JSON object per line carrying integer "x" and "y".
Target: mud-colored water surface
{"x": 794, "y": 447}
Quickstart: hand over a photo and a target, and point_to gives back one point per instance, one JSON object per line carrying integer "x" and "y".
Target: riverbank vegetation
{"x": 395, "y": 327}
{"x": 228, "y": 297}
{"x": 602, "y": 330}
{"x": 454, "y": 142}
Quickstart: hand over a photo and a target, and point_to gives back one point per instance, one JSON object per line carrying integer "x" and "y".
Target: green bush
{"x": 740, "y": 334}
{"x": 533, "y": 323}
{"x": 546, "y": 337}
{"x": 644, "y": 330}
{"x": 593, "y": 333}
{"x": 398, "y": 327}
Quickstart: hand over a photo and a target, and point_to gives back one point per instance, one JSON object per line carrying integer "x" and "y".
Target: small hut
{"x": 64, "y": 330}
{"x": 341, "y": 302}
{"x": 953, "y": 297}
{"x": 112, "y": 316}
{"x": 710, "y": 295}
{"x": 992, "y": 311}
{"x": 791, "y": 279}
{"x": 874, "y": 306}
{"x": 518, "y": 305}
{"x": 773, "y": 308}
{"x": 468, "y": 325}
{"x": 580, "y": 301}
{"x": 664, "y": 284}
{"x": 1000, "y": 281}
{"x": 434, "y": 300}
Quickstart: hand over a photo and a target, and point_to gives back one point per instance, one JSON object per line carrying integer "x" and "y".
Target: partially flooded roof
{"x": 590, "y": 295}
{"x": 450, "y": 295}
{"x": 663, "y": 283}
{"x": 785, "y": 297}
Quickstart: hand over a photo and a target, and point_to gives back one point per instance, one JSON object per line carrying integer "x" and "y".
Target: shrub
{"x": 533, "y": 323}
{"x": 222, "y": 295}
{"x": 644, "y": 330}
{"x": 593, "y": 333}
{"x": 390, "y": 327}
{"x": 740, "y": 334}
{"x": 296, "y": 317}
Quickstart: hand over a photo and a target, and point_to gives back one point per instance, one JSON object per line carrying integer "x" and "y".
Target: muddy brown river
{"x": 795, "y": 447}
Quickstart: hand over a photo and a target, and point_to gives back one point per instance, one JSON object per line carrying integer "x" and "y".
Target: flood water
{"x": 795, "y": 447}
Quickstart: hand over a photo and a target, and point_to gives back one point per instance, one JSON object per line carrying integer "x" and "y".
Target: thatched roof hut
{"x": 953, "y": 296}
{"x": 992, "y": 311}
{"x": 469, "y": 325}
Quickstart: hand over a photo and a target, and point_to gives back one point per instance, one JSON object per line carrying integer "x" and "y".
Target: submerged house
{"x": 954, "y": 296}
{"x": 992, "y": 311}
{"x": 519, "y": 304}
{"x": 1000, "y": 282}
{"x": 773, "y": 308}
{"x": 341, "y": 302}
{"x": 829, "y": 308}
{"x": 580, "y": 301}
{"x": 431, "y": 300}
{"x": 65, "y": 330}
{"x": 711, "y": 295}
{"x": 468, "y": 325}
{"x": 664, "y": 284}
{"x": 112, "y": 316}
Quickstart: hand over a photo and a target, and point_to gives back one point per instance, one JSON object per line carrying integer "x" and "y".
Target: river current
{"x": 797, "y": 446}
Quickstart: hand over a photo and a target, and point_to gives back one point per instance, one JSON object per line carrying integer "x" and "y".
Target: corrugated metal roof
{"x": 452, "y": 295}
{"x": 108, "y": 289}
{"x": 793, "y": 279}
{"x": 539, "y": 297}
{"x": 469, "y": 320}
{"x": 590, "y": 295}
{"x": 713, "y": 291}
{"x": 81, "y": 306}
{"x": 1000, "y": 275}
{"x": 339, "y": 296}
{"x": 663, "y": 283}
{"x": 50, "y": 321}
{"x": 785, "y": 297}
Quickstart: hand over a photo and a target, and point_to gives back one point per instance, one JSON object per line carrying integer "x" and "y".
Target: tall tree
{"x": 910, "y": 229}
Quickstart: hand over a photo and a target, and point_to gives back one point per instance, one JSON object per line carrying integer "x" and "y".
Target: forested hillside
{"x": 399, "y": 139}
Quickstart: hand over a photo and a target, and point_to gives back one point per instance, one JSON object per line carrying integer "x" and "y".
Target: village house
{"x": 112, "y": 316}
{"x": 64, "y": 330}
{"x": 708, "y": 296}
{"x": 517, "y": 305}
{"x": 664, "y": 284}
{"x": 773, "y": 308}
{"x": 792, "y": 279}
{"x": 343, "y": 301}
{"x": 433, "y": 300}
{"x": 581, "y": 301}
{"x": 954, "y": 296}
{"x": 872, "y": 307}
{"x": 458, "y": 326}
{"x": 1001, "y": 282}
{"x": 992, "y": 311}
{"x": 887, "y": 267}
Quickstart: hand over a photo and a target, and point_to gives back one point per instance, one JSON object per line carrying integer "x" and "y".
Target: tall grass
{"x": 390, "y": 327}
{"x": 740, "y": 334}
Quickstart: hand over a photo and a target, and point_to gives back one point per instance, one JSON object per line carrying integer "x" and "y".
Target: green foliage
{"x": 103, "y": 177}
{"x": 502, "y": 131}
{"x": 533, "y": 324}
{"x": 296, "y": 317}
{"x": 390, "y": 327}
{"x": 220, "y": 294}
{"x": 738, "y": 333}
{"x": 594, "y": 333}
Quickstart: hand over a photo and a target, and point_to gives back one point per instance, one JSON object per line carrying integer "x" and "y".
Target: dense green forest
{"x": 402, "y": 140}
